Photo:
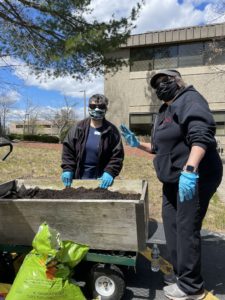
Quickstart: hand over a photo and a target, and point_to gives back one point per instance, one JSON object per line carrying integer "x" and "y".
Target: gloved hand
{"x": 129, "y": 136}
{"x": 67, "y": 178}
{"x": 106, "y": 180}
{"x": 187, "y": 185}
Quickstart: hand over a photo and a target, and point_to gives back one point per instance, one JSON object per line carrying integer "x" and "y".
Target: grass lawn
{"x": 42, "y": 162}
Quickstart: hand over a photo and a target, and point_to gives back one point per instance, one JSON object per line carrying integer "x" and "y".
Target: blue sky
{"x": 38, "y": 95}
{"x": 50, "y": 93}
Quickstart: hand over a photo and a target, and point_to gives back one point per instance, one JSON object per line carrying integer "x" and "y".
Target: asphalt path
{"x": 143, "y": 284}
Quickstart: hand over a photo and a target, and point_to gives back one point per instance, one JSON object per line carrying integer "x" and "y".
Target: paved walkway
{"x": 143, "y": 284}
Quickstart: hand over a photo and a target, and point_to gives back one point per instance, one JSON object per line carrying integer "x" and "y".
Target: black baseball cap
{"x": 161, "y": 73}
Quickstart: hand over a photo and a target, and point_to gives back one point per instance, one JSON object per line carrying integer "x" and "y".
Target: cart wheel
{"x": 7, "y": 272}
{"x": 107, "y": 281}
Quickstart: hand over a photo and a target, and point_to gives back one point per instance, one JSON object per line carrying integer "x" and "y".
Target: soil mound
{"x": 70, "y": 193}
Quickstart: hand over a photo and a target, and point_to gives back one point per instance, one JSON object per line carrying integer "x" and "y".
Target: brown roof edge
{"x": 181, "y": 34}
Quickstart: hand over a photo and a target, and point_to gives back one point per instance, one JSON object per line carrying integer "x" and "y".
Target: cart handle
{"x": 4, "y": 144}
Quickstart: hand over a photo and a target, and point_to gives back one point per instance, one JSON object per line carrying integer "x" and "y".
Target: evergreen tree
{"x": 56, "y": 36}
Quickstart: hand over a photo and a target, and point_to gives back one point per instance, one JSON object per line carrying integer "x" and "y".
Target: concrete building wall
{"x": 129, "y": 92}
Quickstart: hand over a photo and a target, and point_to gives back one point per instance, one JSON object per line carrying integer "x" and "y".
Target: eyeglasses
{"x": 94, "y": 106}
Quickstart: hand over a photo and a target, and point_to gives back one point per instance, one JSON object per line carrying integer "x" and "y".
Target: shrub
{"x": 34, "y": 138}
{"x": 41, "y": 138}
{"x": 15, "y": 136}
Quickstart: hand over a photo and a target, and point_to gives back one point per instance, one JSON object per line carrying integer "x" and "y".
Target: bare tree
{"x": 63, "y": 118}
{"x": 214, "y": 51}
{"x": 219, "y": 8}
{"x": 6, "y": 104}
{"x": 29, "y": 117}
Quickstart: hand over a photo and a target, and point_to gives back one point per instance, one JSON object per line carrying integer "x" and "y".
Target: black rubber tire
{"x": 7, "y": 272}
{"x": 114, "y": 274}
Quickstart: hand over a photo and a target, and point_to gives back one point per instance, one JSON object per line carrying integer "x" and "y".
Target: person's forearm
{"x": 147, "y": 147}
{"x": 196, "y": 155}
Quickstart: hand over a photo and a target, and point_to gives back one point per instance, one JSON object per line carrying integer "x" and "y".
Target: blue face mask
{"x": 97, "y": 113}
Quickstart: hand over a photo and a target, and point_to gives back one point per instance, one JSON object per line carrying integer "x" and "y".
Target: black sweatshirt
{"x": 179, "y": 126}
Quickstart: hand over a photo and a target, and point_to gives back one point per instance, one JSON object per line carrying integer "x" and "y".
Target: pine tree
{"x": 56, "y": 36}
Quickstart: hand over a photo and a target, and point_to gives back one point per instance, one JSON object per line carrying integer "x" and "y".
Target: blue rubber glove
{"x": 187, "y": 185}
{"x": 106, "y": 180}
{"x": 67, "y": 178}
{"x": 129, "y": 136}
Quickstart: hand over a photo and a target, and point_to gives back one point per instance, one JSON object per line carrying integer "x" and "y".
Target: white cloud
{"x": 10, "y": 96}
{"x": 66, "y": 85}
{"x": 154, "y": 15}
{"x": 48, "y": 111}
{"x": 13, "y": 95}
{"x": 168, "y": 14}
{"x": 104, "y": 12}
{"x": 214, "y": 13}
{"x": 44, "y": 113}
{"x": 159, "y": 15}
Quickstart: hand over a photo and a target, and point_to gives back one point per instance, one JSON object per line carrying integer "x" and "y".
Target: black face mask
{"x": 166, "y": 91}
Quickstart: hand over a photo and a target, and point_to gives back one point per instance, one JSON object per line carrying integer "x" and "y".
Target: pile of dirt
{"x": 70, "y": 193}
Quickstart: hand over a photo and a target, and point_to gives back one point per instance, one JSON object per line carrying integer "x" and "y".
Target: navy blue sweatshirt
{"x": 179, "y": 126}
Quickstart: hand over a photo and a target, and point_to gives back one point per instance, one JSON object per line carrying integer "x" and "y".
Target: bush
{"x": 41, "y": 138}
{"x": 35, "y": 138}
{"x": 15, "y": 136}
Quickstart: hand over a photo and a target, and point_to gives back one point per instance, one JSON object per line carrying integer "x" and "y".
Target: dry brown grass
{"x": 39, "y": 162}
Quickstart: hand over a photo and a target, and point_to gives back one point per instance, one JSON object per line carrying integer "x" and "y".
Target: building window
{"x": 219, "y": 117}
{"x": 175, "y": 56}
{"x": 165, "y": 57}
{"x": 19, "y": 126}
{"x": 141, "y": 123}
{"x": 142, "y": 60}
{"x": 190, "y": 55}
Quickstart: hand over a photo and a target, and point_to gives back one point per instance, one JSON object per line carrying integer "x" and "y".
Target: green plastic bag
{"x": 46, "y": 270}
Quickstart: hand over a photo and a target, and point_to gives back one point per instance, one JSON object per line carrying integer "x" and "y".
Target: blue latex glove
{"x": 187, "y": 185}
{"x": 67, "y": 178}
{"x": 129, "y": 136}
{"x": 106, "y": 180}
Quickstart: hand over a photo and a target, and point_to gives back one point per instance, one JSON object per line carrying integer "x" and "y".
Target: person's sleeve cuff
{"x": 204, "y": 146}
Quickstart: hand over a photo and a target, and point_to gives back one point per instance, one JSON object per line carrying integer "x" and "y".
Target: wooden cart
{"x": 114, "y": 229}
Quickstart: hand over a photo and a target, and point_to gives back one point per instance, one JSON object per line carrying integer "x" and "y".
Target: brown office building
{"x": 198, "y": 53}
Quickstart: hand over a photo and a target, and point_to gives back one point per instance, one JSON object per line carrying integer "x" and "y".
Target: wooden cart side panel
{"x": 145, "y": 193}
{"x": 107, "y": 226}
{"x": 142, "y": 218}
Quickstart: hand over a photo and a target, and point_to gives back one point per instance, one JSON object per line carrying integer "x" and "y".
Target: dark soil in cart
{"x": 70, "y": 193}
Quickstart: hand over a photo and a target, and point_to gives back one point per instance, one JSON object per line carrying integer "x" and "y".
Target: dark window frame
{"x": 148, "y": 63}
{"x": 147, "y": 126}
{"x": 219, "y": 123}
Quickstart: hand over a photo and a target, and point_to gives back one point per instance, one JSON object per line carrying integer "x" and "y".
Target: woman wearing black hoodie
{"x": 188, "y": 165}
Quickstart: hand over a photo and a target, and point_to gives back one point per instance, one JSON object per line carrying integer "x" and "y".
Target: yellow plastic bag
{"x": 46, "y": 270}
